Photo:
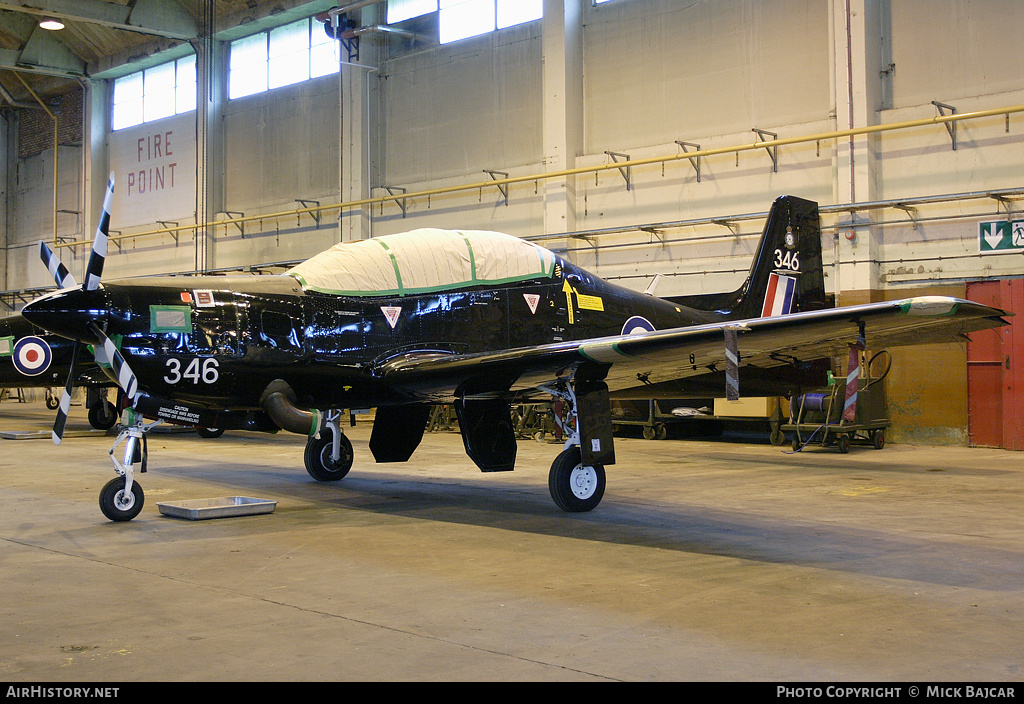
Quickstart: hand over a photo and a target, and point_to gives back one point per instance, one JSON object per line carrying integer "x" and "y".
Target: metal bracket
{"x": 773, "y": 151}
{"x": 116, "y": 239}
{"x": 694, "y": 160}
{"x": 910, "y": 211}
{"x": 169, "y": 224}
{"x": 626, "y": 171}
{"x": 235, "y": 214}
{"x": 653, "y": 231}
{"x": 1004, "y": 201}
{"x": 950, "y": 126}
{"x": 392, "y": 190}
{"x": 728, "y": 224}
{"x": 340, "y": 22}
{"x": 306, "y": 204}
{"x": 503, "y": 187}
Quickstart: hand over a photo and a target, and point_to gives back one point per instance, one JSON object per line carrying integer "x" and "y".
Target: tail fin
{"x": 786, "y": 275}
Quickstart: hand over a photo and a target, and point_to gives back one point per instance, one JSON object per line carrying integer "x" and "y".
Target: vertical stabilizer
{"x": 786, "y": 275}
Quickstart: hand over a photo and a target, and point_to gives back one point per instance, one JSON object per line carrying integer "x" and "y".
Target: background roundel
{"x": 637, "y": 324}
{"x": 32, "y": 356}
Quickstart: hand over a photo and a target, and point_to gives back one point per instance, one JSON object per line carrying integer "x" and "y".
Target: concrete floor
{"x": 707, "y": 560}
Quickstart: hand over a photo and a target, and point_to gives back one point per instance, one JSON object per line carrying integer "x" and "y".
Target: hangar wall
{"x": 588, "y": 86}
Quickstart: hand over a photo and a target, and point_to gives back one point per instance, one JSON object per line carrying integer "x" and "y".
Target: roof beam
{"x": 162, "y": 19}
{"x": 44, "y": 53}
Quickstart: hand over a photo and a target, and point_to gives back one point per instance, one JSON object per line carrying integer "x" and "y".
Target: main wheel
{"x": 118, "y": 506}
{"x": 575, "y": 487}
{"x": 318, "y": 458}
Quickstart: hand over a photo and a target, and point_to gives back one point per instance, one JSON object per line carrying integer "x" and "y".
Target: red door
{"x": 995, "y": 370}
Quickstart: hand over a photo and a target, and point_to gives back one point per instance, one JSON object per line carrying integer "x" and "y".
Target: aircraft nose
{"x": 68, "y": 312}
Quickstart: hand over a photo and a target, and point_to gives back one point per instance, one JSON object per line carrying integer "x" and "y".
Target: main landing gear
{"x": 575, "y": 487}
{"x": 329, "y": 455}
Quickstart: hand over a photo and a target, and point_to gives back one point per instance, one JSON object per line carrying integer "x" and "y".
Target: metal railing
{"x": 503, "y": 182}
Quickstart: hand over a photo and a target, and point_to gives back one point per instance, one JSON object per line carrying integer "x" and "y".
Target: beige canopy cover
{"x": 421, "y": 261}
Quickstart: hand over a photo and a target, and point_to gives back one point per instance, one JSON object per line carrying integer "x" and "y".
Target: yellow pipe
{"x": 855, "y": 131}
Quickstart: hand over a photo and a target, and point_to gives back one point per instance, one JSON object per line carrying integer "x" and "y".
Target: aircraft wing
{"x": 675, "y": 354}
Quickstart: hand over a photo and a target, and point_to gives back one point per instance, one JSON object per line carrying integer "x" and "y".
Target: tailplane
{"x": 786, "y": 275}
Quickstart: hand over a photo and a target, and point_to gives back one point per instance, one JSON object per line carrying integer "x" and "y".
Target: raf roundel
{"x": 32, "y": 356}
{"x": 637, "y": 324}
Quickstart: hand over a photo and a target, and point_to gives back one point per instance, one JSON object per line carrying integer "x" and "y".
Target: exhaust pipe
{"x": 278, "y": 401}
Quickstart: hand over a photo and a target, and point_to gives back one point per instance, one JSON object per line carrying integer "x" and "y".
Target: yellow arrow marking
{"x": 568, "y": 291}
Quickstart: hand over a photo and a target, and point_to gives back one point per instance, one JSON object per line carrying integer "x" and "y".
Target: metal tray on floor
{"x": 225, "y": 507}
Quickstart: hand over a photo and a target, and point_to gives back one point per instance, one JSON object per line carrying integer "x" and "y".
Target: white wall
{"x": 654, "y": 71}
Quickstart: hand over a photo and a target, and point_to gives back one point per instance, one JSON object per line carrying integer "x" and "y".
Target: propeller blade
{"x": 94, "y": 270}
{"x": 65, "y": 400}
{"x": 58, "y": 271}
{"x": 126, "y": 378}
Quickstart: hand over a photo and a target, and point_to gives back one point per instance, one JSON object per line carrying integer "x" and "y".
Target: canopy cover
{"x": 422, "y": 261}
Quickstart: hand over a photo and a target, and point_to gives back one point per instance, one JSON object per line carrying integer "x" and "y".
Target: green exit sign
{"x": 1001, "y": 236}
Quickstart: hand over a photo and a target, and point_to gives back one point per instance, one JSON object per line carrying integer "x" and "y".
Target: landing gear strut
{"x": 329, "y": 455}
{"x": 574, "y": 486}
{"x": 121, "y": 499}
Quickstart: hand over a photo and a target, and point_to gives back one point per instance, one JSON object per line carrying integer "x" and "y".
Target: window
{"x": 279, "y": 57}
{"x": 459, "y": 19}
{"x": 154, "y": 93}
{"x": 401, "y": 10}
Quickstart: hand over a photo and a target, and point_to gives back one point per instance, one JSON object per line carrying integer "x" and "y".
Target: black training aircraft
{"x": 476, "y": 319}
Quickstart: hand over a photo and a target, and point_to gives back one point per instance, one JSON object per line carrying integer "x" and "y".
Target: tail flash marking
{"x": 778, "y": 298}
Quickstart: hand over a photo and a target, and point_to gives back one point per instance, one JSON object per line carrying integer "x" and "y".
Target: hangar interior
{"x": 568, "y": 123}
{"x": 642, "y": 139}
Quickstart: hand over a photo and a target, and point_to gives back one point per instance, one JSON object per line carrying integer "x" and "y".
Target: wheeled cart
{"x": 818, "y": 418}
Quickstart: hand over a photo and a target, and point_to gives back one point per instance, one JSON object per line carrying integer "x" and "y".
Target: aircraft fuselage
{"x": 220, "y": 340}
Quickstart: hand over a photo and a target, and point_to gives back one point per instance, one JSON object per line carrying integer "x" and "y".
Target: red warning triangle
{"x": 391, "y": 313}
{"x": 532, "y": 299}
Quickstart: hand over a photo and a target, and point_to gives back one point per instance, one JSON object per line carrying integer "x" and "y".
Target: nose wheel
{"x": 121, "y": 499}
{"x": 119, "y": 504}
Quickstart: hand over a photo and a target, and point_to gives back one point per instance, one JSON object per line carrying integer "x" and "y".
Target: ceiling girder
{"x": 46, "y": 54}
{"x": 162, "y": 19}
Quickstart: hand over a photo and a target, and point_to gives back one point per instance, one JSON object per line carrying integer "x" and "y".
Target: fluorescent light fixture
{"x": 51, "y": 24}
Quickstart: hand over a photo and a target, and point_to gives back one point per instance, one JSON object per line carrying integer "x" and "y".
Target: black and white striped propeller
{"x": 110, "y": 354}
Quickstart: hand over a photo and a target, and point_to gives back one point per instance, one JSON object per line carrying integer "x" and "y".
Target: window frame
{"x": 447, "y": 10}
{"x": 163, "y": 102}
{"x": 270, "y": 79}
